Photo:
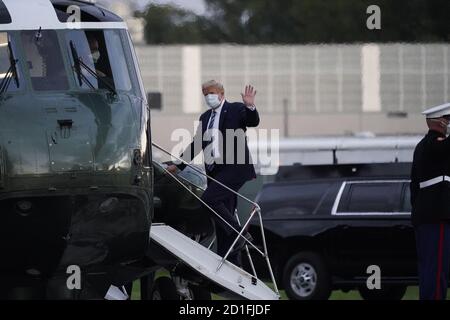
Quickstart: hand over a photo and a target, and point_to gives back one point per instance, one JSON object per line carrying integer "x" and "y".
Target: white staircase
{"x": 206, "y": 263}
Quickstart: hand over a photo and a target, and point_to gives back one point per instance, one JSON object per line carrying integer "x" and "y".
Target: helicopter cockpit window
{"x": 44, "y": 60}
{"x": 99, "y": 60}
{"x": 9, "y": 70}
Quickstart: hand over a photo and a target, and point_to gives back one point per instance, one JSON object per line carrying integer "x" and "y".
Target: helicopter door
{"x": 69, "y": 147}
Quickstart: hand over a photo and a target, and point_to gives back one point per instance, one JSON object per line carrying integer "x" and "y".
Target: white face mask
{"x": 212, "y": 100}
{"x": 96, "y": 56}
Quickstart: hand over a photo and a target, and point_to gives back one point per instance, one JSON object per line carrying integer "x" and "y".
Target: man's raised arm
{"x": 251, "y": 116}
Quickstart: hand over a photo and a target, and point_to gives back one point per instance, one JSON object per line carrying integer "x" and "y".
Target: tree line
{"x": 297, "y": 22}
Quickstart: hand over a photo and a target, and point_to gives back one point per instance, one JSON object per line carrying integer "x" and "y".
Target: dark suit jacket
{"x": 234, "y": 116}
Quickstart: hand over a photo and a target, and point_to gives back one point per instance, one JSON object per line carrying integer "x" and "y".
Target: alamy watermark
{"x": 374, "y": 280}
{"x": 73, "y": 281}
{"x": 74, "y": 18}
{"x": 374, "y": 20}
{"x": 228, "y": 147}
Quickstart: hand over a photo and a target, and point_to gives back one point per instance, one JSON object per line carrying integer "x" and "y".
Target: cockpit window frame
{"x": 132, "y": 73}
{"x": 25, "y": 76}
{"x": 26, "y": 70}
{"x": 130, "y": 60}
{"x": 17, "y": 50}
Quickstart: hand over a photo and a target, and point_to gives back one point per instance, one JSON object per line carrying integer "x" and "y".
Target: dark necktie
{"x": 210, "y": 167}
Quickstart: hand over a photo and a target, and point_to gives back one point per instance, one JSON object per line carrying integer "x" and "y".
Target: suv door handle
{"x": 401, "y": 227}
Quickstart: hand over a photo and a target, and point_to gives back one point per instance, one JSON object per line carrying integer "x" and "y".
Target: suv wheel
{"x": 393, "y": 292}
{"x": 306, "y": 277}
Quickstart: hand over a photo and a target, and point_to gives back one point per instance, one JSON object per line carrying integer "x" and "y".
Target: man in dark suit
{"x": 221, "y": 137}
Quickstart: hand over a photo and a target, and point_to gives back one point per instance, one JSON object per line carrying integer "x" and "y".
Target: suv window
{"x": 406, "y": 198}
{"x": 370, "y": 198}
{"x": 290, "y": 200}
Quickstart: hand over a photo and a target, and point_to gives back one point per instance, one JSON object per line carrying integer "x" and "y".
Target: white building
{"x": 303, "y": 90}
{"x": 316, "y": 89}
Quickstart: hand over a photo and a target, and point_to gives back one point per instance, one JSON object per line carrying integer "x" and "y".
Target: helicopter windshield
{"x": 103, "y": 56}
{"x": 7, "y": 59}
{"x": 44, "y": 60}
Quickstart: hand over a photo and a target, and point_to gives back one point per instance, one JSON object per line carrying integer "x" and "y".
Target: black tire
{"x": 147, "y": 284}
{"x": 393, "y": 292}
{"x": 129, "y": 289}
{"x": 164, "y": 289}
{"x": 200, "y": 293}
{"x": 306, "y": 277}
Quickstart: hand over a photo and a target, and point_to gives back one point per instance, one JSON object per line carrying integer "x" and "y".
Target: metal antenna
{"x": 39, "y": 34}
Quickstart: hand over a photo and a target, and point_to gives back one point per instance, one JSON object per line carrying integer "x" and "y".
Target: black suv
{"x": 326, "y": 225}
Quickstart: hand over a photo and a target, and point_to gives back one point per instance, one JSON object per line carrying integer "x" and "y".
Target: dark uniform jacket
{"x": 430, "y": 180}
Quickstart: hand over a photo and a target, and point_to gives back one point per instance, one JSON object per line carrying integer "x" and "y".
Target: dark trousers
{"x": 433, "y": 253}
{"x": 224, "y": 202}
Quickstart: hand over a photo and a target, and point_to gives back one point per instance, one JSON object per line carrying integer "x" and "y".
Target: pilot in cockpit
{"x": 95, "y": 54}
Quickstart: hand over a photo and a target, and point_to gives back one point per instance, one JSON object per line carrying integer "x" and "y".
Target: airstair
{"x": 210, "y": 265}
{"x": 205, "y": 262}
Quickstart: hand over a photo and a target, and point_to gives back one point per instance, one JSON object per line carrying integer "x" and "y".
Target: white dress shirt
{"x": 215, "y": 128}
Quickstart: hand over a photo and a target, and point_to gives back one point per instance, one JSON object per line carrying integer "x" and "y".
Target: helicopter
{"x": 75, "y": 156}
{"x": 80, "y": 193}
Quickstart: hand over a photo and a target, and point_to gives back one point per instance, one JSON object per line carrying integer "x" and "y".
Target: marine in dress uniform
{"x": 430, "y": 199}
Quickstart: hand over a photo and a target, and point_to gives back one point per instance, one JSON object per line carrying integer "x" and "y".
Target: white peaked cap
{"x": 437, "y": 112}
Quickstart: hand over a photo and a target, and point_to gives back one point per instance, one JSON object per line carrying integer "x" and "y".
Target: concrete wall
{"x": 301, "y": 125}
{"x": 318, "y": 89}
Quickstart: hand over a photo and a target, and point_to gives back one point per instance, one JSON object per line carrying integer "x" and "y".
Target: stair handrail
{"x": 256, "y": 210}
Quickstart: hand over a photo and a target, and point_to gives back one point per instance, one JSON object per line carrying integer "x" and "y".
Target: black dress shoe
{"x": 240, "y": 244}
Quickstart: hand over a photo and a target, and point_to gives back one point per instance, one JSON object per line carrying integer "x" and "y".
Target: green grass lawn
{"x": 411, "y": 294}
